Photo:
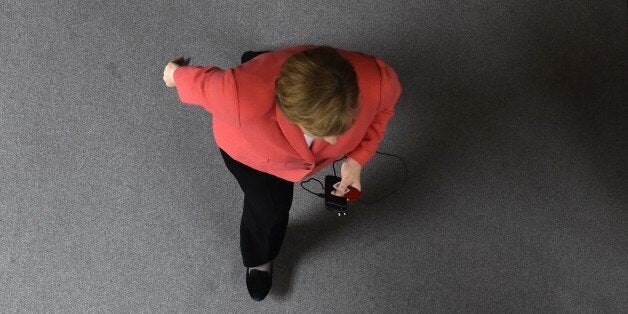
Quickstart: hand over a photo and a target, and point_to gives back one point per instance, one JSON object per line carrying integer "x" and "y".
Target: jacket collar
{"x": 295, "y": 137}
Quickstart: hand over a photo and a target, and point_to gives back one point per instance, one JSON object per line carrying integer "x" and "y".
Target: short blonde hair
{"x": 318, "y": 90}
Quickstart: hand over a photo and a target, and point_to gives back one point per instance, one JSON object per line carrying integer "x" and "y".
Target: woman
{"x": 284, "y": 115}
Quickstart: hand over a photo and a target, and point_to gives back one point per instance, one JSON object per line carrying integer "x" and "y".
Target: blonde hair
{"x": 318, "y": 90}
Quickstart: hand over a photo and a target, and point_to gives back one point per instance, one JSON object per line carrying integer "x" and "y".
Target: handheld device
{"x": 334, "y": 203}
{"x": 182, "y": 61}
{"x": 338, "y": 204}
{"x": 350, "y": 193}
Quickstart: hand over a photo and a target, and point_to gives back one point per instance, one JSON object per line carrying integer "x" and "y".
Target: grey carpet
{"x": 114, "y": 197}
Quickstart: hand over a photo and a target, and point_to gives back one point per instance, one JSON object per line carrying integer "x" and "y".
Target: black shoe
{"x": 248, "y": 55}
{"x": 259, "y": 282}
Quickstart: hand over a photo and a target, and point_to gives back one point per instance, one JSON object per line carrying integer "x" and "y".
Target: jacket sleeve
{"x": 390, "y": 91}
{"x": 211, "y": 88}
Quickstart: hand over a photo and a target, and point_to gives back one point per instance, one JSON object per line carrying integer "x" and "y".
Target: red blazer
{"x": 249, "y": 126}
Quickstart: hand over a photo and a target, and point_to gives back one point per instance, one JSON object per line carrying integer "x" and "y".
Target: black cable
{"x": 405, "y": 178}
{"x": 333, "y": 165}
{"x": 317, "y": 194}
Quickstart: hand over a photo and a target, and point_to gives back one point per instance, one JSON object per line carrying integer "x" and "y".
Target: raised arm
{"x": 211, "y": 88}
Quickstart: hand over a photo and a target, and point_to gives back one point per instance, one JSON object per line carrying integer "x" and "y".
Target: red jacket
{"x": 249, "y": 126}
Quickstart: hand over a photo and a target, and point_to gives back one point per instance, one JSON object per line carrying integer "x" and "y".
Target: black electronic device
{"x": 338, "y": 204}
{"x": 334, "y": 203}
{"x": 182, "y": 62}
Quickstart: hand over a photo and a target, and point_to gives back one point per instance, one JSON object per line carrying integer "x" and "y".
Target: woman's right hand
{"x": 169, "y": 71}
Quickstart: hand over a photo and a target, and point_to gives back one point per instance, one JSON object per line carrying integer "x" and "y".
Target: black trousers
{"x": 267, "y": 202}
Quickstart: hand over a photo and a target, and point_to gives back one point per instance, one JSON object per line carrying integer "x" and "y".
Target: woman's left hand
{"x": 350, "y": 176}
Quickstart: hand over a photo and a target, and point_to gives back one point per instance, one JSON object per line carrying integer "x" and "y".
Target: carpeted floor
{"x": 114, "y": 196}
